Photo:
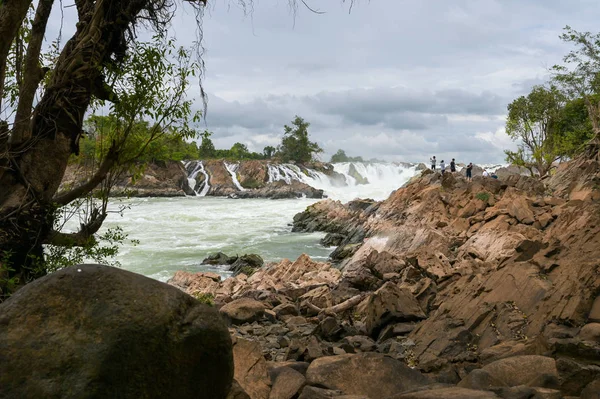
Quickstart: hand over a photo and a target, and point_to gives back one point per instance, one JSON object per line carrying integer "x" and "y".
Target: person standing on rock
{"x": 433, "y": 162}
{"x": 442, "y": 167}
{"x": 452, "y": 166}
{"x": 469, "y": 171}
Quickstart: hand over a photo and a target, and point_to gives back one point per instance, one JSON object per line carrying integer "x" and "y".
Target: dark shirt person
{"x": 469, "y": 171}
{"x": 452, "y": 166}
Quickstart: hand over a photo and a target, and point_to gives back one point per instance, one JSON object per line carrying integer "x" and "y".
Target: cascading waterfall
{"x": 232, "y": 169}
{"x": 193, "y": 168}
{"x": 349, "y": 180}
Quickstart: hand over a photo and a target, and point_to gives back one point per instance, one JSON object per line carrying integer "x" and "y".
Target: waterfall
{"x": 193, "y": 168}
{"x": 232, "y": 169}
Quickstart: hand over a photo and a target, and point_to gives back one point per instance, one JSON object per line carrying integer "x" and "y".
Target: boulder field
{"x": 447, "y": 289}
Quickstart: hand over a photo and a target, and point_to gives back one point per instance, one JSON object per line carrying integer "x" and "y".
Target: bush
{"x": 483, "y": 196}
{"x": 206, "y": 298}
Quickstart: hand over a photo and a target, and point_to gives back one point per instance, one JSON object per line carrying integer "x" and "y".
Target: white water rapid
{"x": 197, "y": 167}
{"x": 178, "y": 233}
{"x": 232, "y": 169}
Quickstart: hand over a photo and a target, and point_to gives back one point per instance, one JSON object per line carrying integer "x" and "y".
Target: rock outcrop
{"x": 494, "y": 283}
{"x": 92, "y": 331}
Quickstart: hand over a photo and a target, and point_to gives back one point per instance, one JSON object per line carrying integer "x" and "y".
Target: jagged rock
{"x": 287, "y": 382}
{"x": 358, "y": 343}
{"x": 348, "y": 373}
{"x": 246, "y": 264}
{"x": 319, "y": 393}
{"x": 219, "y": 258}
{"x": 575, "y": 376}
{"x": 446, "y": 393}
{"x": 594, "y": 315}
{"x": 243, "y": 310}
{"x": 390, "y": 304}
{"x": 251, "y": 369}
{"x": 285, "y": 309}
{"x": 97, "y": 331}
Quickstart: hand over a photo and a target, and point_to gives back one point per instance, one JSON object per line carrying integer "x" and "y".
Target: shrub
{"x": 206, "y": 298}
{"x": 483, "y": 196}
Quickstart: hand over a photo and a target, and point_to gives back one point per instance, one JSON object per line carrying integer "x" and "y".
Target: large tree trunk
{"x": 36, "y": 165}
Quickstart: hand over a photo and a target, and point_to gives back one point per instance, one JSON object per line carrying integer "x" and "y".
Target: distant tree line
{"x": 295, "y": 145}
{"x": 561, "y": 119}
{"x": 341, "y": 156}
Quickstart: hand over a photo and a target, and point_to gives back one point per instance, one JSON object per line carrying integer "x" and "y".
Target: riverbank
{"x": 488, "y": 288}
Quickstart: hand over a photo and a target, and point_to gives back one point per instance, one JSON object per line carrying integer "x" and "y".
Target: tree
{"x": 207, "y": 148}
{"x": 579, "y": 78}
{"x": 268, "y": 152}
{"x": 102, "y": 64}
{"x": 533, "y": 121}
{"x": 239, "y": 151}
{"x": 339, "y": 156}
{"x": 295, "y": 145}
{"x": 574, "y": 127}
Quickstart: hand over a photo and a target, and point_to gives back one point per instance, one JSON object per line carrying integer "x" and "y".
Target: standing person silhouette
{"x": 452, "y": 166}
{"x": 443, "y": 167}
{"x": 469, "y": 171}
{"x": 433, "y": 162}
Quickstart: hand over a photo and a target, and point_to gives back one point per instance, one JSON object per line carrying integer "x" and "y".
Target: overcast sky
{"x": 399, "y": 80}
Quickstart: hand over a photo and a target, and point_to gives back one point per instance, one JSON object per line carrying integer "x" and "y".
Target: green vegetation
{"x": 483, "y": 196}
{"x": 206, "y": 298}
{"x": 295, "y": 145}
{"x": 341, "y": 156}
{"x": 561, "y": 120}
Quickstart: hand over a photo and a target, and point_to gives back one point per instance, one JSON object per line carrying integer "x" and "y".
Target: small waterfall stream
{"x": 232, "y": 169}
{"x": 193, "y": 168}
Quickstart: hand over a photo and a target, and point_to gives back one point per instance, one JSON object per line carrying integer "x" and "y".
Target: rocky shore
{"x": 447, "y": 289}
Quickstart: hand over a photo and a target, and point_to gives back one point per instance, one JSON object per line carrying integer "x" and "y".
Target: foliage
{"x": 574, "y": 127}
{"x": 269, "y": 152}
{"x": 207, "y": 148}
{"x": 532, "y": 120}
{"x": 295, "y": 145}
{"x": 341, "y": 156}
{"x": 206, "y": 298}
{"x": 579, "y": 77}
{"x": 483, "y": 196}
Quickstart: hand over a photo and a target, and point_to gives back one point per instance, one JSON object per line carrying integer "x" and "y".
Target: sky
{"x": 397, "y": 80}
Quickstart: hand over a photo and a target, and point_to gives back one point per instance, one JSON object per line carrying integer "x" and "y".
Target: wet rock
{"x": 219, "y": 258}
{"x": 243, "y": 310}
{"x": 348, "y": 373}
{"x": 97, "y": 331}
{"x": 390, "y": 304}
{"x": 246, "y": 264}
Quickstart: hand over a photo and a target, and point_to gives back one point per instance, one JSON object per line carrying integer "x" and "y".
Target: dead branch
{"x": 340, "y": 307}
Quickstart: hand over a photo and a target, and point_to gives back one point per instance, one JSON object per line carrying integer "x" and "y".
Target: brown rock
{"x": 251, "y": 369}
{"x": 97, "y": 331}
{"x": 521, "y": 370}
{"x": 237, "y": 392}
{"x": 590, "y": 332}
{"x": 447, "y": 393}
{"x": 591, "y": 390}
{"x": 390, "y": 304}
{"x": 369, "y": 374}
{"x": 287, "y": 384}
{"x": 594, "y": 315}
{"x": 243, "y": 310}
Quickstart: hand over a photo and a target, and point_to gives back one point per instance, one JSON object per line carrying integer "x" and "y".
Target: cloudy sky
{"x": 399, "y": 80}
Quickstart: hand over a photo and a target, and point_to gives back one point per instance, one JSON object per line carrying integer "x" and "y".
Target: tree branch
{"x": 32, "y": 73}
{"x": 85, "y": 235}
{"x": 105, "y": 167}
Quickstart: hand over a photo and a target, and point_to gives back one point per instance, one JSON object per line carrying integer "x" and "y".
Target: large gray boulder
{"x": 93, "y": 331}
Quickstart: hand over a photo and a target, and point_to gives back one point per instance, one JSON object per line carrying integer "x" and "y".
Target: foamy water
{"x": 178, "y": 233}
